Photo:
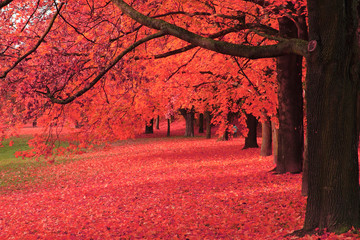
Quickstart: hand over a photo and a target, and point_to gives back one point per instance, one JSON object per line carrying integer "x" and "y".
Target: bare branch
{"x": 4, "y": 74}
{"x": 183, "y": 65}
{"x": 33, "y": 13}
{"x": 241, "y": 70}
{"x": 102, "y": 73}
{"x": 75, "y": 28}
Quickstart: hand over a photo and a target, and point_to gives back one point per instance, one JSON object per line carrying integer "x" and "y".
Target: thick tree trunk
{"x": 158, "y": 122}
{"x": 250, "y": 139}
{"x": 305, "y": 176}
{"x": 149, "y": 128}
{"x": 290, "y": 110}
{"x": 201, "y": 123}
{"x": 332, "y": 83}
{"x": 266, "y": 138}
{"x": 208, "y": 124}
{"x": 189, "y": 120}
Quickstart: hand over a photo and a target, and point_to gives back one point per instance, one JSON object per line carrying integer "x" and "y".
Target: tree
{"x": 332, "y": 88}
{"x": 332, "y": 82}
{"x": 149, "y": 128}
{"x": 332, "y": 79}
{"x": 189, "y": 116}
{"x": 290, "y": 109}
{"x": 201, "y": 123}
{"x": 266, "y": 143}
{"x": 251, "y": 138}
{"x": 208, "y": 124}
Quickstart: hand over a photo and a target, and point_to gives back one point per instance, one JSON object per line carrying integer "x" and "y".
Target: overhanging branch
{"x": 4, "y": 3}
{"x": 220, "y": 34}
{"x": 5, "y": 73}
{"x": 102, "y": 73}
{"x": 289, "y": 46}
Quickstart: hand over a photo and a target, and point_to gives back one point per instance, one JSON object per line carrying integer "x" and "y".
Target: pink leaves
{"x": 164, "y": 188}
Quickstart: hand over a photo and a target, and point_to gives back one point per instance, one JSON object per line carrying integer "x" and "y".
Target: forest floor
{"x": 155, "y": 188}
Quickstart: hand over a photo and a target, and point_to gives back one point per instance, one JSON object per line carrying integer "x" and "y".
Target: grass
{"x": 7, "y": 153}
{"x": 15, "y": 170}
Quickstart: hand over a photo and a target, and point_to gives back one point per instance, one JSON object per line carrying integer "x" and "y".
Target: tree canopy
{"x": 113, "y": 65}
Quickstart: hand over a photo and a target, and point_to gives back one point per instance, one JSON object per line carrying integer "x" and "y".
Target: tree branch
{"x": 4, "y": 74}
{"x": 102, "y": 73}
{"x": 73, "y": 27}
{"x": 289, "y": 46}
{"x": 220, "y": 34}
{"x": 4, "y": 3}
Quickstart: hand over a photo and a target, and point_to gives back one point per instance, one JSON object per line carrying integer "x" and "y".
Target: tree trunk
{"x": 305, "y": 176}
{"x": 168, "y": 127}
{"x": 189, "y": 119}
{"x": 201, "y": 123}
{"x": 250, "y": 139}
{"x": 290, "y": 110}
{"x": 157, "y": 122}
{"x": 275, "y": 136}
{"x": 332, "y": 83}
{"x": 149, "y": 128}
{"x": 208, "y": 124}
{"x": 266, "y": 141}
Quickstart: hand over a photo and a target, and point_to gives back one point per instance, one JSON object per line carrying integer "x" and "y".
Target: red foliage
{"x": 163, "y": 188}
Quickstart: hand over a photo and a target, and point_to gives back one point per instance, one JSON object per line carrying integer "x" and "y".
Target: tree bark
{"x": 201, "y": 123}
{"x": 290, "y": 109}
{"x": 266, "y": 138}
{"x": 208, "y": 124}
{"x": 189, "y": 116}
{"x": 157, "y": 122}
{"x": 305, "y": 176}
{"x": 275, "y": 137}
{"x": 251, "y": 138}
{"x": 332, "y": 83}
{"x": 149, "y": 128}
{"x": 168, "y": 127}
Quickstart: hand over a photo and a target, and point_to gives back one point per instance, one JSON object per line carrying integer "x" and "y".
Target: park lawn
{"x": 14, "y": 170}
{"x": 7, "y": 153}
{"x": 163, "y": 188}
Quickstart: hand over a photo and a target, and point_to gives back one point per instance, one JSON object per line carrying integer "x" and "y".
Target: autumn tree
{"x": 332, "y": 78}
{"x": 332, "y": 83}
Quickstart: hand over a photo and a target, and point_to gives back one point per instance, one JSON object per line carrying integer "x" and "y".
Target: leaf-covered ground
{"x": 176, "y": 188}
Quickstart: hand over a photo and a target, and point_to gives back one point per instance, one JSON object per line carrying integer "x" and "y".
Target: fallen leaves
{"x": 157, "y": 189}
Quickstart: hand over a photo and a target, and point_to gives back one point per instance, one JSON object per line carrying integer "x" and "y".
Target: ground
{"x": 155, "y": 188}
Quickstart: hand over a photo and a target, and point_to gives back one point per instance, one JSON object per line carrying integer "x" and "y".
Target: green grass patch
{"x": 16, "y": 170}
{"x": 13, "y": 169}
{"x": 7, "y": 153}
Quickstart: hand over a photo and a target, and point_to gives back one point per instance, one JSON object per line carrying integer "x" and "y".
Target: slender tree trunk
{"x": 201, "y": 123}
{"x": 275, "y": 137}
{"x": 208, "y": 124}
{"x": 168, "y": 127}
{"x": 149, "y": 128}
{"x": 332, "y": 84}
{"x": 251, "y": 138}
{"x": 266, "y": 140}
{"x": 225, "y": 136}
{"x": 290, "y": 110}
